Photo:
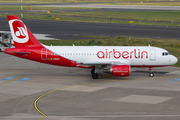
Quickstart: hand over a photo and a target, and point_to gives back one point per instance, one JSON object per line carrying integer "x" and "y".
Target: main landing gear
{"x": 94, "y": 75}
{"x": 151, "y": 74}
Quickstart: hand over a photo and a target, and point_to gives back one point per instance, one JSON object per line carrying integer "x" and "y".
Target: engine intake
{"x": 118, "y": 70}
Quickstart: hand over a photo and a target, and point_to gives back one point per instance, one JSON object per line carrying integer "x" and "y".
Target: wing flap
{"x": 100, "y": 63}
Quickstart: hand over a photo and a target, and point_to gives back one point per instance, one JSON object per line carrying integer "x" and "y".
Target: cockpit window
{"x": 165, "y": 53}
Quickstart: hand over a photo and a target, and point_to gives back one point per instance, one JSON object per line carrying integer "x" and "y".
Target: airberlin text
{"x": 136, "y": 53}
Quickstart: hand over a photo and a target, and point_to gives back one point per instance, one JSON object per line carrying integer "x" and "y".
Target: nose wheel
{"x": 151, "y": 74}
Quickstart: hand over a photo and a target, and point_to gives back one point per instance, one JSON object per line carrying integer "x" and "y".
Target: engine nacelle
{"x": 118, "y": 70}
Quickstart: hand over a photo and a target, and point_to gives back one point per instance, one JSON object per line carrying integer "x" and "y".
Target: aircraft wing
{"x": 101, "y": 63}
{"x": 96, "y": 63}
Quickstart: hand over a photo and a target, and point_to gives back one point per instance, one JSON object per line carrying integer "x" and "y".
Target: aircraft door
{"x": 152, "y": 55}
{"x": 43, "y": 54}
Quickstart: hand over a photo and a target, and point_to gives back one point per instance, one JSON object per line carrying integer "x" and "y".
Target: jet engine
{"x": 118, "y": 70}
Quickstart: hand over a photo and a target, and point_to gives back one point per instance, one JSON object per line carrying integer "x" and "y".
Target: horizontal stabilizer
{"x": 18, "y": 52}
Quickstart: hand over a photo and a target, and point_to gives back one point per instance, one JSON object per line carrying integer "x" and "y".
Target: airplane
{"x": 116, "y": 60}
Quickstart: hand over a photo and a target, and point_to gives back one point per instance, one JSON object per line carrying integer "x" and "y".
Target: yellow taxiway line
{"x": 45, "y": 116}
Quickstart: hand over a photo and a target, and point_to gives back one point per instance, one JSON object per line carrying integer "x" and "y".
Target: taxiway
{"x": 60, "y": 93}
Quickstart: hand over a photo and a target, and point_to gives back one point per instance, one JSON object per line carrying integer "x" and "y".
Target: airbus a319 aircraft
{"x": 116, "y": 60}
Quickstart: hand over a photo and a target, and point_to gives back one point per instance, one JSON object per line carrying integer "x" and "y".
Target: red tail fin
{"x": 21, "y": 35}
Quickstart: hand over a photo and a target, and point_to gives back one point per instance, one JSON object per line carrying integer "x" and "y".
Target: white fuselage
{"x": 131, "y": 55}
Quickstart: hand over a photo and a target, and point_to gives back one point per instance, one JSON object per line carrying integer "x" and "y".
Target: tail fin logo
{"x": 18, "y": 31}
{"x": 21, "y": 33}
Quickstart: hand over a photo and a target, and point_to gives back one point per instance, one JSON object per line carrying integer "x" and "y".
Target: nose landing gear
{"x": 151, "y": 74}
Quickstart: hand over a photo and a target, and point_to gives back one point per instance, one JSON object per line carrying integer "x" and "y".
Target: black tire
{"x": 92, "y": 71}
{"x": 151, "y": 74}
{"x": 95, "y": 76}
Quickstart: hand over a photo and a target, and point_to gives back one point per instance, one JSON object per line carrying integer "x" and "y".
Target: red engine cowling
{"x": 118, "y": 70}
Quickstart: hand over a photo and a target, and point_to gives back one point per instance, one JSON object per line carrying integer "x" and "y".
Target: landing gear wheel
{"x": 95, "y": 76}
{"x": 92, "y": 71}
{"x": 151, "y": 74}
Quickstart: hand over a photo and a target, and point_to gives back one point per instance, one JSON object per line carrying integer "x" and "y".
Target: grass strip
{"x": 164, "y": 16}
{"x": 93, "y": 20}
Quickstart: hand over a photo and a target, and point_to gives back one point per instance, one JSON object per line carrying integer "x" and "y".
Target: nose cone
{"x": 174, "y": 60}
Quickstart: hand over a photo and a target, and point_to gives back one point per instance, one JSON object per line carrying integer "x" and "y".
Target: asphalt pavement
{"x": 72, "y": 30}
{"x": 31, "y": 90}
